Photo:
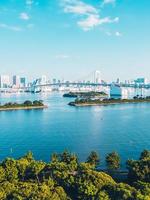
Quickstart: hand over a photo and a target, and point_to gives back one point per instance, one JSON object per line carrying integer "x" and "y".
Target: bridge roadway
{"x": 144, "y": 86}
{"x": 21, "y": 89}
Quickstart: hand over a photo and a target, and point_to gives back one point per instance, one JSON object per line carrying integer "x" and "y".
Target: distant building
{"x": 16, "y": 81}
{"x": 141, "y": 81}
{"x": 118, "y": 81}
{"x": 54, "y": 81}
{"x": 118, "y": 91}
{"x": 4, "y": 81}
{"x": 23, "y": 81}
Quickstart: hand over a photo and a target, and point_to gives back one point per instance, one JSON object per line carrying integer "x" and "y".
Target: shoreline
{"x": 103, "y": 104}
{"x": 24, "y": 108}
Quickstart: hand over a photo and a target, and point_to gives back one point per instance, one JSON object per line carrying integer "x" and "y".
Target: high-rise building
{"x": 23, "y": 81}
{"x": 16, "y": 81}
{"x": 118, "y": 81}
{"x": 54, "y": 81}
{"x": 4, "y": 81}
{"x": 141, "y": 81}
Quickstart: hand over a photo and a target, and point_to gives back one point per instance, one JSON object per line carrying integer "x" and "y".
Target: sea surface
{"x": 121, "y": 128}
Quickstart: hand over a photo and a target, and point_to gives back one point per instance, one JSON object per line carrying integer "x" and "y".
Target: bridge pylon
{"x": 97, "y": 77}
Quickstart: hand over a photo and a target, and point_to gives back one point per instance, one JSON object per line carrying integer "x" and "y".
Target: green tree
{"x": 22, "y": 165}
{"x": 54, "y": 157}
{"x": 138, "y": 170}
{"x": 143, "y": 187}
{"x": 93, "y": 159}
{"x": 90, "y": 182}
{"x": 123, "y": 191}
{"x": 35, "y": 168}
{"x": 113, "y": 161}
{"x": 2, "y": 193}
{"x": 29, "y": 156}
{"x": 145, "y": 155}
{"x": 64, "y": 178}
{"x": 102, "y": 195}
{"x": 28, "y": 103}
{"x": 11, "y": 171}
{"x": 37, "y": 103}
{"x": 2, "y": 174}
{"x": 67, "y": 157}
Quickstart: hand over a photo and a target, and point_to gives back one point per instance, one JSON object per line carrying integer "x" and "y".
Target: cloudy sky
{"x": 71, "y": 38}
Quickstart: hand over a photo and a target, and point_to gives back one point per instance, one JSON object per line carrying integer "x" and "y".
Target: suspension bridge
{"x": 94, "y": 79}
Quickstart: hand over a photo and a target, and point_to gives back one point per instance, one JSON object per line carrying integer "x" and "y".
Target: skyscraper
{"x": 4, "y": 81}
{"x": 16, "y": 81}
{"x": 23, "y": 81}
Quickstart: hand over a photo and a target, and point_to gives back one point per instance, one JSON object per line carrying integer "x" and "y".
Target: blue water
{"x": 123, "y": 128}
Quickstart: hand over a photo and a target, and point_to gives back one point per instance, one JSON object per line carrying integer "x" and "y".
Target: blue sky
{"x": 71, "y": 38}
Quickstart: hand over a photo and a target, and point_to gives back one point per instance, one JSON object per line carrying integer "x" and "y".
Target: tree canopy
{"x": 65, "y": 178}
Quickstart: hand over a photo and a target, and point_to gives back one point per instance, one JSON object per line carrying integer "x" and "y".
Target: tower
{"x": 97, "y": 76}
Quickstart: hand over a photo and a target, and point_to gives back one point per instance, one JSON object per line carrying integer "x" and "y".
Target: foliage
{"x": 139, "y": 169}
{"x": 143, "y": 187}
{"x": 91, "y": 94}
{"x": 124, "y": 191}
{"x": 64, "y": 178}
{"x": 106, "y": 101}
{"x": 28, "y": 103}
{"x": 25, "y": 104}
{"x": 113, "y": 161}
{"x": 90, "y": 182}
{"x": 93, "y": 159}
{"x": 145, "y": 155}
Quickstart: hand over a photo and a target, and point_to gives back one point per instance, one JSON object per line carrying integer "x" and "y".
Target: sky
{"x": 71, "y": 38}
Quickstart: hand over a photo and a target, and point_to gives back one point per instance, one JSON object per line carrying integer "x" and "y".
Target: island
{"x": 92, "y": 94}
{"x": 109, "y": 101}
{"x": 27, "y": 105}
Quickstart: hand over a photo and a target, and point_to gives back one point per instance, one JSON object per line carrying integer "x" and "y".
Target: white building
{"x": 4, "y": 81}
{"x": 116, "y": 90}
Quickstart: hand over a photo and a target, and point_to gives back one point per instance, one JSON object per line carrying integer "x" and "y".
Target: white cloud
{"x": 89, "y": 14}
{"x": 108, "y": 20}
{"x": 90, "y": 22}
{"x": 29, "y": 2}
{"x": 62, "y": 56}
{"x": 118, "y": 34}
{"x": 95, "y": 20}
{"x": 12, "y": 28}
{"x": 105, "y": 2}
{"x": 24, "y": 16}
{"x": 78, "y": 7}
{"x": 108, "y": 33}
{"x": 30, "y": 26}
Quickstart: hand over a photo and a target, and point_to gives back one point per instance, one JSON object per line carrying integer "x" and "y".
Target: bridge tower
{"x": 97, "y": 77}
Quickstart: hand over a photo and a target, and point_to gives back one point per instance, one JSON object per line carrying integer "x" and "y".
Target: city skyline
{"x": 70, "y": 38}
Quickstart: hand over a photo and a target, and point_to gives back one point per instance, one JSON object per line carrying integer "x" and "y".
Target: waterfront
{"x": 123, "y": 128}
